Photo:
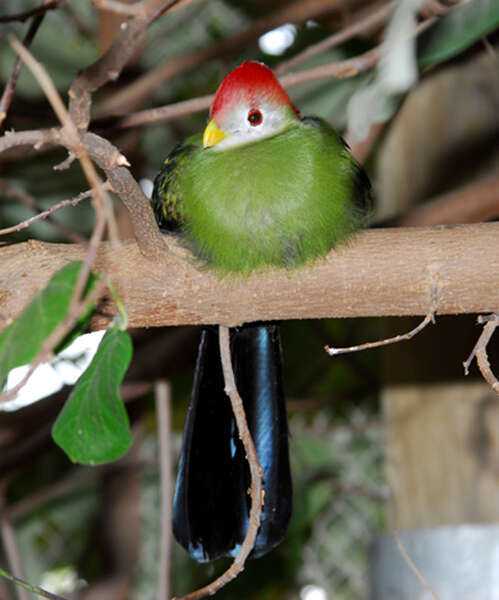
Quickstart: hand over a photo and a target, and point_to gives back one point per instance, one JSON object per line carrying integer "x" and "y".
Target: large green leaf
{"x": 457, "y": 30}
{"x": 21, "y": 341}
{"x": 93, "y": 427}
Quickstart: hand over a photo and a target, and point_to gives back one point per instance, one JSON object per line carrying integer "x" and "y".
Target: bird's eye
{"x": 255, "y": 117}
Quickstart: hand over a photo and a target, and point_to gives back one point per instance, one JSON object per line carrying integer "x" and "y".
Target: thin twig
{"x": 50, "y": 5}
{"x": 11, "y": 547}
{"x": 133, "y": 9}
{"x": 256, "y": 489}
{"x": 374, "y": 19}
{"x": 32, "y": 203}
{"x": 430, "y": 318}
{"x": 109, "y": 66}
{"x": 10, "y": 86}
{"x": 31, "y": 588}
{"x": 414, "y": 569}
{"x": 169, "y": 112}
{"x": 480, "y": 350}
{"x": 44, "y": 214}
{"x": 163, "y": 418}
{"x": 151, "y": 242}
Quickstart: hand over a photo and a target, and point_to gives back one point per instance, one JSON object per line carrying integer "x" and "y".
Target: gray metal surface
{"x": 460, "y": 563}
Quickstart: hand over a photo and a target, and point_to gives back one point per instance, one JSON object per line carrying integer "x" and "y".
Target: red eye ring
{"x": 255, "y": 117}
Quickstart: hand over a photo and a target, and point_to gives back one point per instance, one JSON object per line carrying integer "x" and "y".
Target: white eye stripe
{"x": 240, "y": 130}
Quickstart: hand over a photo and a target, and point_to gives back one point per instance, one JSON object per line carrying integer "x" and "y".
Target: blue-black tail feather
{"x": 211, "y": 504}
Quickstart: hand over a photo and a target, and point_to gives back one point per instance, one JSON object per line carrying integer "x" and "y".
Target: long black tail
{"x": 211, "y": 504}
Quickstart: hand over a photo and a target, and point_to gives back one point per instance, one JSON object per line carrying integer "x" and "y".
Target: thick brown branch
{"x": 380, "y": 272}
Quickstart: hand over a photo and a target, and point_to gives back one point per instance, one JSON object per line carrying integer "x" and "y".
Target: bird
{"x": 261, "y": 187}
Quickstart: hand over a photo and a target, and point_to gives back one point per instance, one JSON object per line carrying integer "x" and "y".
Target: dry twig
{"x": 414, "y": 569}
{"x": 46, "y": 213}
{"x": 32, "y": 203}
{"x": 256, "y": 489}
{"x": 34, "y": 12}
{"x": 372, "y": 20}
{"x": 163, "y": 418}
{"x": 10, "y": 86}
{"x": 11, "y": 547}
{"x": 480, "y": 350}
{"x": 108, "y": 67}
{"x": 430, "y": 318}
{"x": 133, "y": 9}
{"x": 32, "y": 588}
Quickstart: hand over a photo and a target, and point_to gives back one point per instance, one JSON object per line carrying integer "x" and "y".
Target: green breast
{"x": 281, "y": 201}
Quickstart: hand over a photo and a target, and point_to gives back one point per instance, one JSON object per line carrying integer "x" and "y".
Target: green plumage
{"x": 280, "y": 201}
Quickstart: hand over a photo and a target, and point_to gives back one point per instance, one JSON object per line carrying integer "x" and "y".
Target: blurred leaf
{"x": 457, "y": 30}
{"x": 309, "y": 504}
{"x": 93, "y": 427}
{"x": 21, "y": 341}
{"x": 316, "y": 453}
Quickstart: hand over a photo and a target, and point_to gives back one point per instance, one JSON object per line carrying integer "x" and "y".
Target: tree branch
{"x": 131, "y": 96}
{"x": 10, "y": 86}
{"x": 475, "y": 202}
{"x": 108, "y": 67}
{"x": 340, "y": 69}
{"x": 113, "y": 163}
{"x": 34, "y": 12}
{"x": 30, "y": 201}
{"x": 380, "y": 272}
{"x": 163, "y": 419}
{"x": 480, "y": 351}
{"x": 369, "y": 22}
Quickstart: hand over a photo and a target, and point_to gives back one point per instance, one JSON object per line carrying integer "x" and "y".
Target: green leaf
{"x": 21, "y": 341}
{"x": 457, "y": 30}
{"x": 308, "y": 505}
{"x": 315, "y": 453}
{"x": 93, "y": 427}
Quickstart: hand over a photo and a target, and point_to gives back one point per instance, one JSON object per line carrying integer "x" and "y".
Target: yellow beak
{"x": 212, "y": 135}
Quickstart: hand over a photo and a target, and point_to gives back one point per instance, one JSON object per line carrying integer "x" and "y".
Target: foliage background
{"x": 99, "y": 525}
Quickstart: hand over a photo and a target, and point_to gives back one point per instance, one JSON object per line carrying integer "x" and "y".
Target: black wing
{"x": 166, "y": 196}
